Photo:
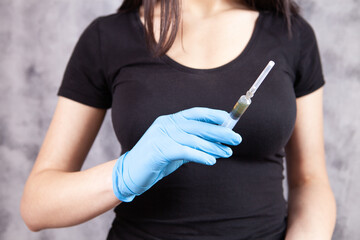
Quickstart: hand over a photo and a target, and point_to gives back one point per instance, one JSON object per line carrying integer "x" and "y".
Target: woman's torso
{"x": 238, "y": 198}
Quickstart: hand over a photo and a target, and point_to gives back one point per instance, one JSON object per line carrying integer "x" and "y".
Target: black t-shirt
{"x": 238, "y": 198}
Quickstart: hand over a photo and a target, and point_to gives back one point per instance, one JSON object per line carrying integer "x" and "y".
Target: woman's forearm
{"x": 58, "y": 199}
{"x": 311, "y": 212}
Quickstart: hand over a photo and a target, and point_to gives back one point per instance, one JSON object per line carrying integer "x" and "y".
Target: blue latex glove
{"x": 192, "y": 135}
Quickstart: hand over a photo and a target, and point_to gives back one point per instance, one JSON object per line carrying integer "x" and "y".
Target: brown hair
{"x": 171, "y": 13}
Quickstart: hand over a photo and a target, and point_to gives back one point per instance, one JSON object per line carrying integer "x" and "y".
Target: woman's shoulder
{"x": 111, "y": 26}
{"x": 277, "y": 22}
{"x": 115, "y": 21}
{"x": 115, "y": 31}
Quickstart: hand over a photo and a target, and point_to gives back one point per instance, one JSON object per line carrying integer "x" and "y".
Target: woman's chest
{"x": 141, "y": 93}
{"x": 210, "y": 42}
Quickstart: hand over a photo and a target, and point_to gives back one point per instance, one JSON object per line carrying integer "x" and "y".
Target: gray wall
{"x": 36, "y": 39}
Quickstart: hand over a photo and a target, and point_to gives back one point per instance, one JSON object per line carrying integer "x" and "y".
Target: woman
{"x": 169, "y": 70}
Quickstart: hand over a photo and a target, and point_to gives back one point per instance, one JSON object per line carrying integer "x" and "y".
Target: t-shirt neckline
{"x": 239, "y": 58}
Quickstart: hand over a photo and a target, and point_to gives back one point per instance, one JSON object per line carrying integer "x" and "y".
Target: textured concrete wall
{"x": 36, "y": 39}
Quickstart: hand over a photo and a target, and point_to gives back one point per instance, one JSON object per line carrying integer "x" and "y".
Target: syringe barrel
{"x": 237, "y": 111}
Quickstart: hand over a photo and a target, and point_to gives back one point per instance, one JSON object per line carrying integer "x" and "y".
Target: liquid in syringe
{"x": 245, "y": 100}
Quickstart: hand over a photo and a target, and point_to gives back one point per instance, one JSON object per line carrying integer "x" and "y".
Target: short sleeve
{"x": 309, "y": 75}
{"x": 84, "y": 79}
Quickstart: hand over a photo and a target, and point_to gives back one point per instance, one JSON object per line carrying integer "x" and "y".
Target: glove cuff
{"x": 131, "y": 185}
{"x": 121, "y": 190}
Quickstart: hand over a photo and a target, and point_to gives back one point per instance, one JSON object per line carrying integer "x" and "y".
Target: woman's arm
{"x": 57, "y": 193}
{"x": 311, "y": 204}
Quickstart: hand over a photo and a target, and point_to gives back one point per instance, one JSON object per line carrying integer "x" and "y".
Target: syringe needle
{"x": 260, "y": 79}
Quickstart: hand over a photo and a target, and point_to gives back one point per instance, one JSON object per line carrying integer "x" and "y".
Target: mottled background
{"x": 36, "y": 40}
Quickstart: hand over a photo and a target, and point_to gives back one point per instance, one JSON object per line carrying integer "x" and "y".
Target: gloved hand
{"x": 192, "y": 135}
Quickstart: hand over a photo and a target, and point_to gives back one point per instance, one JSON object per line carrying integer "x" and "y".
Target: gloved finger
{"x": 211, "y": 132}
{"x": 204, "y": 114}
{"x": 191, "y": 155}
{"x": 216, "y": 149}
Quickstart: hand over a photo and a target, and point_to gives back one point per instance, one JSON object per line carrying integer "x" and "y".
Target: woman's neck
{"x": 207, "y": 8}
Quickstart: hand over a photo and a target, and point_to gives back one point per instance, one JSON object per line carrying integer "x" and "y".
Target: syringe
{"x": 245, "y": 100}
